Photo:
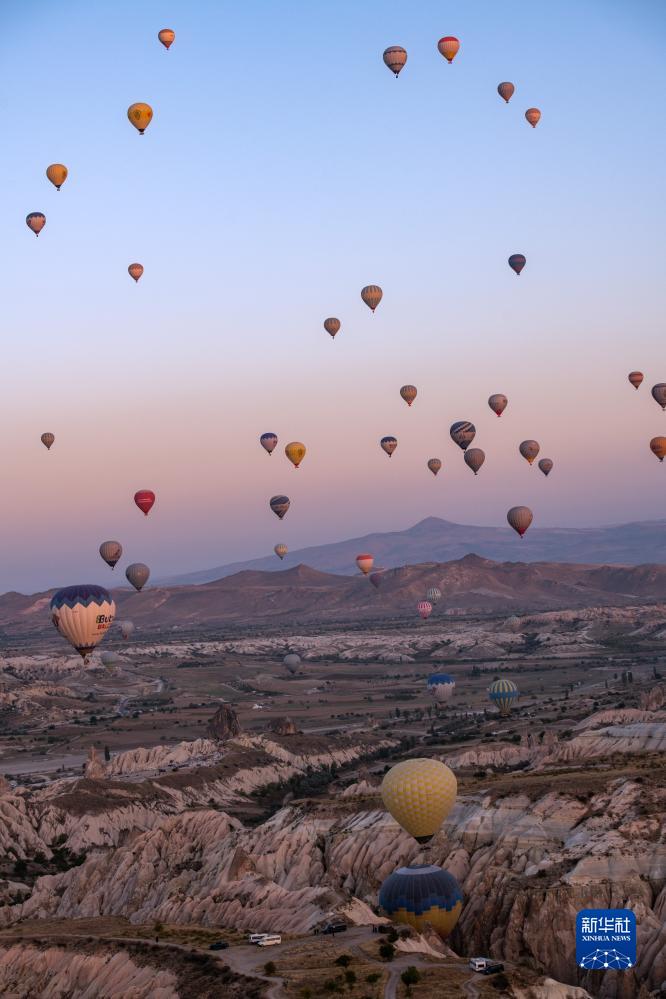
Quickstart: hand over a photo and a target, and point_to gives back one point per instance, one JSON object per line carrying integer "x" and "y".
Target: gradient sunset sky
{"x": 284, "y": 169}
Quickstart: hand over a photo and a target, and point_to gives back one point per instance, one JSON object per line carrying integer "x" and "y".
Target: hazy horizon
{"x": 284, "y": 169}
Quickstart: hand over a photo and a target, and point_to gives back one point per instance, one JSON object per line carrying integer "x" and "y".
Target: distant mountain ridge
{"x": 438, "y": 540}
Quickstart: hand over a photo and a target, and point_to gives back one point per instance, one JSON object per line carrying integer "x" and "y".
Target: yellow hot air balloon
{"x": 533, "y": 115}
{"x": 140, "y": 116}
{"x": 419, "y": 794}
{"x": 658, "y": 447}
{"x": 295, "y": 451}
{"x": 135, "y": 271}
{"x": 372, "y": 295}
{"x": 57, "y": 174}
{"x": 167, "y": 37}
{"x": 280, "y": 550}
{"x": 448, "y": 46}
{"x": 408, "y": 393}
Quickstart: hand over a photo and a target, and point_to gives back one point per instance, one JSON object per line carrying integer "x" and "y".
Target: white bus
{"x": 254, "y": 938}
{"x": 269, "y": 940}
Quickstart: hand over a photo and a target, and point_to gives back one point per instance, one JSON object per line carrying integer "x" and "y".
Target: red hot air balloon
{"x": 448, "y": 46}
{"x": 144, "y": 499}
{"x": 424, "y": 607}
{"x": 635, "y": 378}
{"x": 517, "y": 261}
{"x": 365, "y": 562}
{"x": 533, "y": 116}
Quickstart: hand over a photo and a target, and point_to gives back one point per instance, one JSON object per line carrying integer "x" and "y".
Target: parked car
{"x": 219, "y": 945}
{"x": 492, "y": 969}
{"x": 334, "y": 928}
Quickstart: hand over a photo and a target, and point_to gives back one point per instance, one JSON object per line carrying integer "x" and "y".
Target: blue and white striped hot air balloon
{"x": 83, "y": 614}
{"x": 441, "y": 686}
{"x": 503, "y": 693}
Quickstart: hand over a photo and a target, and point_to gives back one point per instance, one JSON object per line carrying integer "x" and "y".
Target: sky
{"x": 286, "y": 168}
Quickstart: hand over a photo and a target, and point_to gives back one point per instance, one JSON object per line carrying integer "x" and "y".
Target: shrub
{"x": 269, "y": 968}
{"x": 343, "y": 961}
{"x": 386, "y": 951}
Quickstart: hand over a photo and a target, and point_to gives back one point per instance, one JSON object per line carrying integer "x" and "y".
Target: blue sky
{"x": 284, "y": 169}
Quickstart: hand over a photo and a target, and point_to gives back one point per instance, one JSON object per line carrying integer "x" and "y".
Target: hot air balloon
{"x": 424, "y": 607}
{"x": 658, "y": 447}
{"x": 388, "y": 444}
{"x": 111, "y": 552}
{"x": 292, "y": 662}
{"x": 395, "y": 58}
{"x": 140, "y": 116}
{"x": 503, "y": 693}
{"x": 126, "y": 629}
{"x": 137, "y": 574}
{"x": 376, "y": 578}
{"x": 498, "y": 403}
{"x": 463, "y": 433}
{"x": 167, "y": 37}
{"x": 448, "y": 46}
{"x": 57, "y": 174}
{"x": 279, "y": 505}
{"x": 433, "y": 594}
{"x": 533, "y": 115}
{"x": 372, "y": 296}
{"x": 635, "y": 377}
{"x": 408, "y": 393}
{"x": 506, "y": 91}
{"x": 332, "y": 326}
{"x": 365, "y": 563}
{"x": 280, "y": 551}
{"x": 659, "y": 394}
{"x": 144, "y": 499}
{"x": 434, "y": 464}
{"x": 83, "y": 615}
{"x": 474, "y": 458}
{"x": 110, "y": 659}
{"x": 295, "y": 451}
{"x": 517, "y": 261}
{"x": 529, "y": 450}
{"x": 422, "y": 895}
{"x": 419, "y": 794}
{"x": 441, "y": 686}
{"x": 47, "y": 440}
{"x": 546, "y": 466}
{"x": 36, "y": 222}
{"x": 269, "y": 442}
{"x": 135, "y": 271}
{"x": 520, "y": 518}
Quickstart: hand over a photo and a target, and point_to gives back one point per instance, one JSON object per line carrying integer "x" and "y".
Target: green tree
{"x": 350, "y": 978}
{"x": 343, "y": 961}
{"x": 386, "y": 951}
{"x": 410, "y": 976}
{"x": 269, "y": 968}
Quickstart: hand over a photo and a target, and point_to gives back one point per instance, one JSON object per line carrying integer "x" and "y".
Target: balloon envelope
{"x": 331, "y": 325}
{"x": 135, "y": 271}
{"x": 83, "y": 614}
{"x": 47, "y": 440}
{"x": 424, "y": 607}
{"x": 503, "y": 693}
{"x": 474, "y": 458}
{"x": 635, "y": 377}
{"x": 529, "y": 450}
{"x": 546, "y": 466}
{"x": 433, "y": 594}
{"x": 448, "y": 46}
{"x": 517, "y": 261}
{"x": 434, "y": 464}
{"x": 126, "y": 629}
{"x": 498, "y": 403}
{"x": 110, "y": 659}
{"x": 144, "y": 499}
{"x": 167, "y": 37}
{"x": 268, "y": 441}
{"x": 408, "y": 393}
{"x": 463, "y": 433}
{"x": 395, "y": 58}
{"x": 279, "y": 505}
{"x": 365, "y": 563}
{"x": 280, "y": 551}
{"x": 388, "y": 444}
{"x": 295, "y": 451}
{"x": 372, "y": 295}
{"x": 658, "y": 447}
{"x": 111, "y": 552}
{"x": 441, "y": 686}
{"x": 419, "y": 794}
{"x": 506, "y": 91}
{"x": 57, "y": 174}
{"x": 292, "y": 662}
{"x": 659, "y": 394}
{"x": 420, "y": 896}
{"x": 140, "y": 115}
{"x": 533, "y": 115}
{"x": 36, "y": 222}
{"x": 520, "y": 518}
{"x": 376, "y": 578}
{"x": 137, "y": 574}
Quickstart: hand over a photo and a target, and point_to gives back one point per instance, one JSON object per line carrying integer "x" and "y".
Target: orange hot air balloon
{"x": 36, "y": 222}
{"x": 520, "y": 518}
{"x": 529, "y": 450}
{"x": 140, "y": 115}
{"x": 295, "y": 451}
{"x": 408, "y": 393}
{"x": 332, "y": 326}
{"x": 57, "y": 174}
{"x": 434, "y": 464}
{"x": 167, "y": 37}
{"x": 372, "y": 295}
{"x": 448, "y": 46}
{"x": 506, "y": 91}
{"x": 498, "y": 403}
{"x": 533, "y": 115}
{"x": 635, "y": 378}
{"x": 658, "y": 447}
{"x": 135, "y": 271}
{"x": 365, "y": 563}
{"x": 47, "y": 440}
{"x": 395, "y": 58}
{"x": 144, "y": 499}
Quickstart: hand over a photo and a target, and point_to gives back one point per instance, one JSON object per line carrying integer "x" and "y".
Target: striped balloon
{"x": 520, "y": 518}
{"x": 463, "y": 433}
{"x": 372, "y": 295}
{"x": 83, "y": 615}
{"x": 332, "y": 326}
{"x": 506, "y": 91}
{"x": 448, "y": 46}
{"x": 441, "y": 686}
{"x": 408, "y": 393}
{"x": 279, "y": 505}
{"x": 433, "y": 594}
{"x": 280, "y": 551}
{"x": 424, "y": 607}
{"x": 503, "y": 693}
{"x": 48, "y": 440}
{"x": 269, "y": 442}
{"x": 388, "y": 444}
{"x": 395, "y": 58}
{"x": 422, "y": 896}
{"x": 35, "y": 221}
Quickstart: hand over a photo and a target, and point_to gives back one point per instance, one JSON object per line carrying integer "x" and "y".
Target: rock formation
{"x": 94, "y": 768}
{"x": 224, "y": 724}
{"x": 283, "y": 726}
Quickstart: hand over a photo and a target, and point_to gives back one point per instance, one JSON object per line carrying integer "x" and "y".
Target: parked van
{"x": 254, "y": 938}
{"x": 479, "y": 963}
{"x": 269, "y": 940}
